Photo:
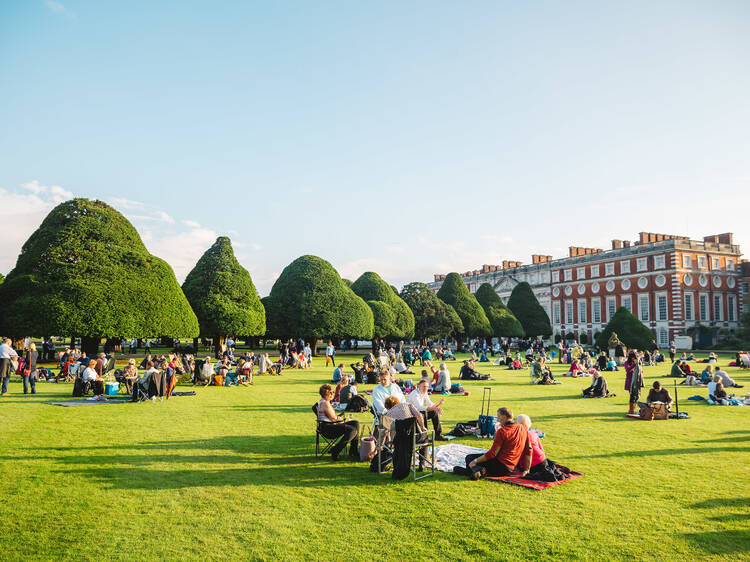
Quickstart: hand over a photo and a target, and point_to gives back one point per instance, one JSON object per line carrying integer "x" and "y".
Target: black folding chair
{"x": 328, "y": 443}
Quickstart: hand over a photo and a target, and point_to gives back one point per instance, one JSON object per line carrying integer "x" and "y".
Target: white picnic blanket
{"x": 453, "y": 454}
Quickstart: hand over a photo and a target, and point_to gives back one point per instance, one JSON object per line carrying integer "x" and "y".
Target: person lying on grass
{"x": 726, "y": 380}
{"x": 510, "y": 448}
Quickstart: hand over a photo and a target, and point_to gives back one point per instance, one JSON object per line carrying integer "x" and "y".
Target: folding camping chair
{"x": 110, "y": 365}
{"x": 328, "y": 443}
{"x": 384, "y": 443}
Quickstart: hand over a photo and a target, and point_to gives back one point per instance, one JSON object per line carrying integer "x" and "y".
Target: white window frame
{"x": 718, "y": 312}
{"x": 568, "y": 275}
{"x": 624, "y": 267}
{"x": 663, "y": 338}
{"x": 660, "y": 261}
{"x": 702, "y": 262}
{"x": 730, "y": 265}
{"x": 556, "y": 312}
{"x": 609, "y": 268}
{"x": 582, "y": 312}
{"x": 611, "y": 309}
{"x": 703, "y": 307}
{"x": 641, "y": 264}
{"x": 659, "y": 316}
{"x": 688, "y": 302}
{"x": 569, "y": 312}
{"x": 596, "y": 311}
{"x": 687, "y": 261}
{"x": 641, "y": 312}
{"x": 715, "y": 263}
{"x": 580, "y": 273}
{"x": 555, "y": 276}
{"x": 731, "y": 310}
{"x": 629, "y": 300}
{"x": 594, "y": 271}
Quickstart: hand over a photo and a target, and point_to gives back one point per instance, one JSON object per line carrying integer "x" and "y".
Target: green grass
{"x": 231, "y": 473}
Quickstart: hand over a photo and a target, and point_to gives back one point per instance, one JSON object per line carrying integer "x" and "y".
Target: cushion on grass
{"x": 514, "y": 478}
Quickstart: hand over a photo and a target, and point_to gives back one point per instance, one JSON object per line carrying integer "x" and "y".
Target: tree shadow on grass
{"x": 729, "y": 541}
{"x": 660, "y": 452}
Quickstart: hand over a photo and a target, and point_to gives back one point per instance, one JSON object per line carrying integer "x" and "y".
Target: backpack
{"x": 456, "y": 388}
{"x": 357, "y": 404}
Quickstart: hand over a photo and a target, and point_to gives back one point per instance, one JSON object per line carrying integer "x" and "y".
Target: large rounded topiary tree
{"x": 502, "y": 320}
{"x": 524, "y": 306}
{"x": 86, "y": 272}
{"x": 454, "y": 292}
{"x": 223, "y": 296}
{"x": 432, "y": 317}
{"x": 393, "y": 318}
{"x": 309, "y": 299}
{"x": 630, "y": 331}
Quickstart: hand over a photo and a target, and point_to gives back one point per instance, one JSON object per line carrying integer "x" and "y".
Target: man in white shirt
{"x": 308, "y": 355}
{"x": 385, "y": 389}
{"x": 6, "y": 354}
{"x": 429, "y": 411}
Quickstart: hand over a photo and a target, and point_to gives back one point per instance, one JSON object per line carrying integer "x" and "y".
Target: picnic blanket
{"x": 514, "y": 478}
{"x": 90, "y": 402}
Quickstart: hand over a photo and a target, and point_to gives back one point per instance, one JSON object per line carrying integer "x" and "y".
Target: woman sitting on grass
{"x": 542, "y": 469}
{"x": 443, "y": 375}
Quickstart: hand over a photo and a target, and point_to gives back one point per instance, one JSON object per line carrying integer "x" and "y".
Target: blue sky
{"x": 404, "y": 138}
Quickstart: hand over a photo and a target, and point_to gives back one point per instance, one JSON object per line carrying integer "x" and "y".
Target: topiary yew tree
{"x": 309, "y": 299}
{"x": 223, "y": 296}
{"x": 432, "y": 317}
{"x": 86, "y": 272}
{"x": 503, "y": 323}
{"x": 393, "y": 318}
{"x": 630, "y": 331}
{"x": 455, "y": 293}
{"x": 524, "y": 306}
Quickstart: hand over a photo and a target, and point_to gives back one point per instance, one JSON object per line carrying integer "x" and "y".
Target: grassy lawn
{"x": 231, "y": 473}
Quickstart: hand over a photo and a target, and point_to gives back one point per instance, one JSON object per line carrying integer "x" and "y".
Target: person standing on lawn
{"x": 636, "y": 384}
{"x": 6, "y": 354}
{"x": 330, "y": 353}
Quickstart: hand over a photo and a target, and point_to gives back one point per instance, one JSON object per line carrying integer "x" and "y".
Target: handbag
{"x": 367, "y": 448}
{"x": 646, "y": 413}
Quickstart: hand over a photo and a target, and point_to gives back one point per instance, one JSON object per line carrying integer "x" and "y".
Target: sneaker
{"x": 477, "y": 474}
{"x": 461, "y": 470}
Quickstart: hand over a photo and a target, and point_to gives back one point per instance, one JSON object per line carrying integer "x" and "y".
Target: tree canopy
{"x": 524, "y": 306}
{"x": 502, "y": 320}
{"x": 630, "y": 331}
{"x": 393, "y": 318}
{"x": 309, "y": 299}
{"x": 223, "y": 295}
{"x": 86, "y": 272}
{"x": 454, "y": 292}
{"x": 432, "y": 317}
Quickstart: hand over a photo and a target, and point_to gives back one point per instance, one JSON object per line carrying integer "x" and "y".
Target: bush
{"x": 584, "y": 339}
{"x": 86, "y": 272}
{"x": 393, "y": 318}
{"x": 502, "y": 320}
{"x": 631, "y": 331}
{"x": 433, "y": 318}
{"x": 455, "y": 293}
{"x": 529, "y": 312}
{"x": 223, "y": 295}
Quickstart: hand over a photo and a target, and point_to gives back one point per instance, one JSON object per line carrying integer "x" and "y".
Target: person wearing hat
{"x": 130, "y": 374}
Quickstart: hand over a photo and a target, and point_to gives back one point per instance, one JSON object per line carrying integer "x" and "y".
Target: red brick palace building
{"x": 674, "y": 285}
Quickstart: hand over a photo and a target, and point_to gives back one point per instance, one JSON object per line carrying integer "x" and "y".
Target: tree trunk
{"x": 313, "y": 346}
{"x": 72, "y": 342}
{"x": 220, "y": 344}
{"x": 90, "y": 346}
{"x": 195, "y": 347}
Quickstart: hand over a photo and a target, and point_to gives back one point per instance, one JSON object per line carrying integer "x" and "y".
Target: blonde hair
{"x": 32, "y": 346}
{"x": 523, "y": 419}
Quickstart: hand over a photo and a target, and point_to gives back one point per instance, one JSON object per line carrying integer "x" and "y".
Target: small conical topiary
{"x": 454, "y": 292}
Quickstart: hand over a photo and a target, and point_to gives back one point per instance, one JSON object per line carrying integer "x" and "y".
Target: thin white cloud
{"x": 55, "y": 7}
{"x": 191, "y": 224}
{"x": 123, "y": 203}
{"x": 162, "y": 216}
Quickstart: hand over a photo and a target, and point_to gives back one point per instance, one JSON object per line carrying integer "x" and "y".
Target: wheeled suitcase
{"x": 486, "y": 423}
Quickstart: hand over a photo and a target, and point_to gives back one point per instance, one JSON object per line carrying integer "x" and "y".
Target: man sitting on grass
{"x": 598, "y": 388}
{"x": 726, "y": 380}
{"x": 511, "y": 447}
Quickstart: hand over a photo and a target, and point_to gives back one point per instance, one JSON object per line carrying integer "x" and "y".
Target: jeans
{"x": 30, "y": 380}
{"x": 493, "y": 466}
{"x": 5, "y": 373}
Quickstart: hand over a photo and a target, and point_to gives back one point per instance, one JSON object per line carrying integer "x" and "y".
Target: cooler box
{"x": 111, "y": 388}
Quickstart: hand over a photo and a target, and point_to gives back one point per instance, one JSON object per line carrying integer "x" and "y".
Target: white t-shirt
{"x": 329, "y": 350}
{"x": 89, "y": 374}
{"x": 421, "y": 401}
